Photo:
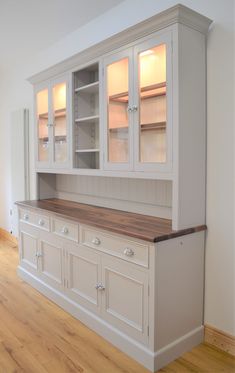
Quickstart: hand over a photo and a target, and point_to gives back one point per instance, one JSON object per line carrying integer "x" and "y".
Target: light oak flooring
{"x": 36, "y": 336}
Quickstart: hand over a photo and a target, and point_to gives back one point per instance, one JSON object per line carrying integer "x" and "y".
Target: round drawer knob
{"x": 128, "y": 251}
{"x": 99, "y": 287}
{"x": 65, "y": 230}
{"x": 41, "y": 222}
{"x": 96, "y": 241}
{"x": 26, "y": 217}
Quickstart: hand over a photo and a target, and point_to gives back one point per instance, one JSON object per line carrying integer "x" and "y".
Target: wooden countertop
{"x": 144, "y": 227}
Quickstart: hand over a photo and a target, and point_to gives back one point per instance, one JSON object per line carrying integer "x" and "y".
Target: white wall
{"x": 220, "y": 248}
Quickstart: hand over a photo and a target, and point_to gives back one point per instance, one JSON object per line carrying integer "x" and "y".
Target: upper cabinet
{"x": 137, "y": 98}
{"x": 52, "y": 124}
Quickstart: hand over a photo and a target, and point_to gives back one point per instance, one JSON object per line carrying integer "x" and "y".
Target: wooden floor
{"x": 37, "y": 336}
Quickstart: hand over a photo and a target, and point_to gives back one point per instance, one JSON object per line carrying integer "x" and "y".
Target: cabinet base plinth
{"x": 151, "y": 360}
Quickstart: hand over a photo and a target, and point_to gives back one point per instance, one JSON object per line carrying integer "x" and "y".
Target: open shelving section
{"x": 86, "y": 117}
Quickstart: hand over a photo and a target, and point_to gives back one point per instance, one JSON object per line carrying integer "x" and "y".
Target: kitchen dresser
{"x": 116, "y": 236}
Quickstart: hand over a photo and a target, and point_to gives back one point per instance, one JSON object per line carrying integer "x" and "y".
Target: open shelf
{"x": 88, "y": 88}
{"x": 87, "y": 150}
{"x": 86, "y": 117}
{"x": 86, "y": 77}
{"x": 90, "y": 119}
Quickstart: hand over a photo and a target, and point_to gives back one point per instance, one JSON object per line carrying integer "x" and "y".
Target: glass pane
{"x": 42, "y": 120}
{"x": 60, "y": 122}
{"x": 152, "y": 93}
{"x": 118, "y": 98}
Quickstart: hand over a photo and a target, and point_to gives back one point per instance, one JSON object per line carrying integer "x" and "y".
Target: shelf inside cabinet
{"x": 89, "y": 119}
{"x": 57, "y": 113}
{"x": 86, "y": 77}
{"x": 144, "y": 127}
{"x": 153, "y": 90}
{"x": 88, "y": 88}
{"x": 153, "y": 126}
{"x": 87, "y": 150}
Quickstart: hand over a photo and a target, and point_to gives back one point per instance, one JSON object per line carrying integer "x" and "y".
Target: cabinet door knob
{"x": 135, "y": 108}
{"x": 128, "y": 251}
{"x": 26, "y": 217}
{"x": 96, "y": 241}
{"x": 129, "y": 109}
{"x": 38, "y": 255}
{"x": 64, "y": 230}
{"x": 41, "y": 222}
{"x": 99, "y": 287}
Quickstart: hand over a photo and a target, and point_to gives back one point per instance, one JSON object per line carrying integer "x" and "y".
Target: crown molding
{"x": 177, "y": 14}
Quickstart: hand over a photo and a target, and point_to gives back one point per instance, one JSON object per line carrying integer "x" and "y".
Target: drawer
{"x": 126, "y": 249}
{"x": 38, "y": 220}
{"x": 65, "y": 228}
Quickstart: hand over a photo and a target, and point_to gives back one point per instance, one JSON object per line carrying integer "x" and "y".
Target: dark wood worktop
{"x": 144, "y": 227}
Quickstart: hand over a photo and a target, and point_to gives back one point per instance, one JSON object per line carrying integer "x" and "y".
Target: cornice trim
{"x": 176, "y": 14}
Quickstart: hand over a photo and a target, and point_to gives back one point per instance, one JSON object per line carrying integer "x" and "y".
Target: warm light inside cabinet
{"x": 152, "y": 105}
{"x": 152, "y": 65}
{"x": 42, "y": 102}
{"x": 118, "y": 98}
{"x": 59, "y": 122}
{"x": 42, "y": 114}
{"x": 59, "y": 96}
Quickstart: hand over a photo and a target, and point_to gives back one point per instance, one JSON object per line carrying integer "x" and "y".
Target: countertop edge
{"x": 159, "y": 238}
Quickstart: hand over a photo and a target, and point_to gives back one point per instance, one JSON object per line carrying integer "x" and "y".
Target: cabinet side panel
{"x": 179, "y": 287}
{"x": 46, "y": 185}
{"x": 190, "y": 143}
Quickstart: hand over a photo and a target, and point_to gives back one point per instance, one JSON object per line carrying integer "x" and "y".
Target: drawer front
{"x": 65, "y": 228}
{"x": 33, "y": 218}
{"x": 126, "y": 249}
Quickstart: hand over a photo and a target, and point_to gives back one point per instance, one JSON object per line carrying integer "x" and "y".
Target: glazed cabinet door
{"x": 125, "y": 297}
{"x": 43, "y": 126}
{"x": 83, "y": 276}
{"x": 117, "y": 110}
{"x": 153, "y": 103}
{"x": 52, "y": 124}
{"x": 60, "y": 122}
{"x": 29, "y": 248}
{"x": 50, "y": 260}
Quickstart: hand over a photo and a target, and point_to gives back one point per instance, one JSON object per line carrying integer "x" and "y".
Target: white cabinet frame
{"x": 51, "y": 163}
{"x": 148, "y": 44}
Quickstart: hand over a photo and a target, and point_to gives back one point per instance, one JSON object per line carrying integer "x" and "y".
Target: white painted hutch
{"x": 122, "y": 125}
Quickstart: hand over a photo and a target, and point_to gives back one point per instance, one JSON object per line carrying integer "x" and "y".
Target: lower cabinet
{"x": 50, "y": 260}
{"x": 110, "y": 287}
{"x": 145, "y": 299}
{"x": 113, "y": 289}
{"x": 29, "y": 246}
{"x": 125, "y": 297}
{"x": 83, "y": 274}
{"x": 41, "y": 254}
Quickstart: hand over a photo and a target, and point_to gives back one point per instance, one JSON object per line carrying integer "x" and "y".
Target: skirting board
{"x": 220, "y": 339}
{"x": 151, "y": 360}
{"x": 8, "y": 236}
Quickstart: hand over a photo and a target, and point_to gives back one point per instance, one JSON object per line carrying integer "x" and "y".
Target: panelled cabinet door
{"x": 29, "y": 248}
{"x": 50, "y": 260}
{"x": 83, "y": 273}
{"x": 117, "y": 111}
{"x": 153, "y": 96}
{"x": 125, "y": 298}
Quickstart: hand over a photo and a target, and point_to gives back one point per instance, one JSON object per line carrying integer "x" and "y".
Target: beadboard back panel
{"x": 150, "y": 197}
